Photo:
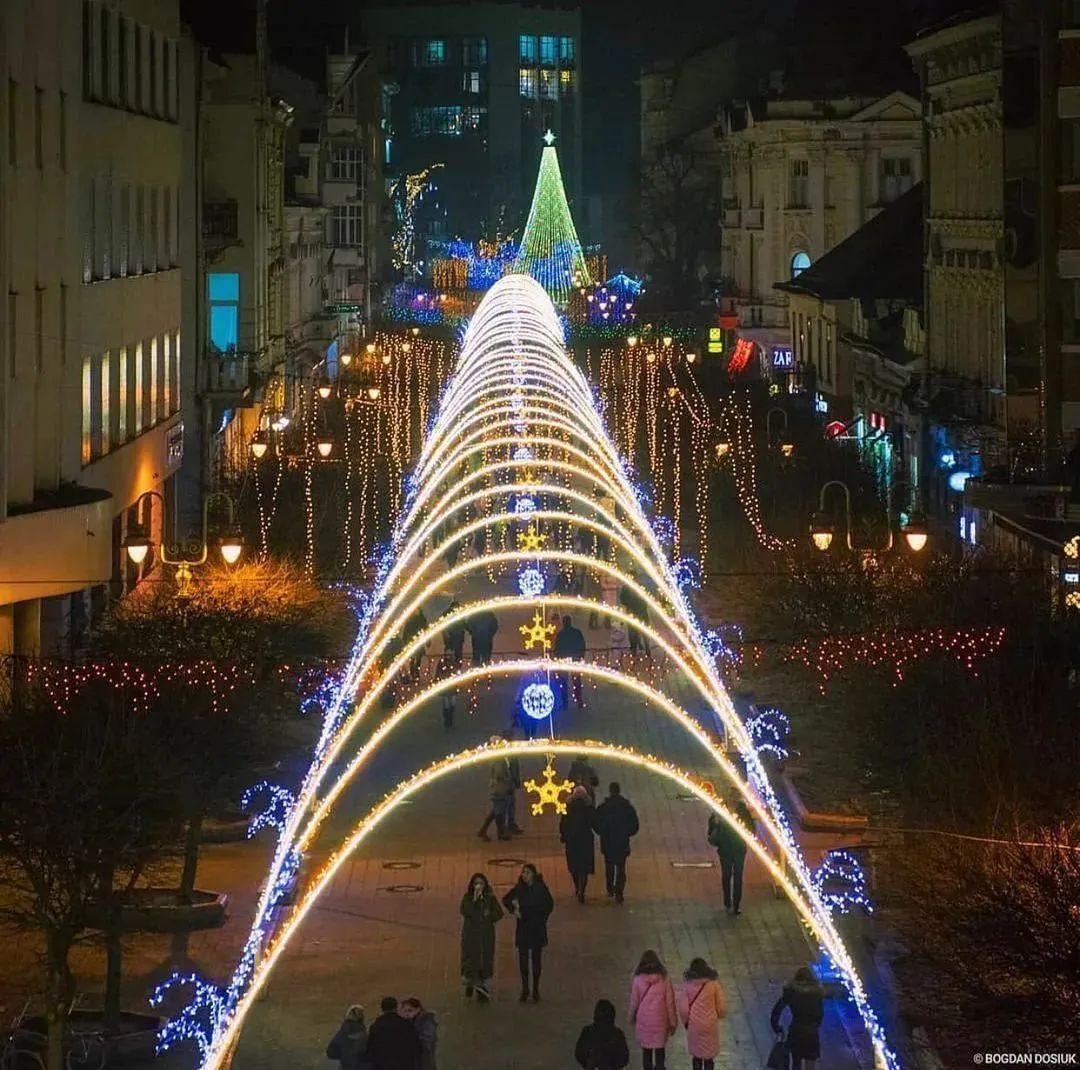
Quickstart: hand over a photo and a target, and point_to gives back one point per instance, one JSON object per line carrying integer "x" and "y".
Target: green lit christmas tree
{"x": 550, "y": 250}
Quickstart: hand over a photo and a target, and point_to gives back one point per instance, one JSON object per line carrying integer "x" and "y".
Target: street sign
{"x": 716, "y": 340}
{"x": 344, "y": 307}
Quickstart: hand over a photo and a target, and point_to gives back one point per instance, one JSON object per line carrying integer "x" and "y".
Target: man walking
{"x": 482, "y": 628}
{"x": 500, "y": 790}
{"x": 393, "y": 1043}
{"x": 570, "y": 643}
{"x": 635, "y": 605}
{"x": 731, "y": 850}
{"x": 453, "y": 638}
{"x": 616, "y": 822}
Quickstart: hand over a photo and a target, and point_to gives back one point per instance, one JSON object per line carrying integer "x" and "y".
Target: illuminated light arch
{"x": 517, "y": 318}
{"x": 224, "y": 1043}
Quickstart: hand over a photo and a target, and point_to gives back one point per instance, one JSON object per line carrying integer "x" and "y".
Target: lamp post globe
{"x": 821, "y": 533}
{"x": 231, "y": 546}
{"x": 137, "y": 544}
{"x": 325, "y": 445}
{"x": 916, "y": 534}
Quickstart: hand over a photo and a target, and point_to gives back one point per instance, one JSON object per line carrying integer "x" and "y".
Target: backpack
{"x": 717, "y": 836}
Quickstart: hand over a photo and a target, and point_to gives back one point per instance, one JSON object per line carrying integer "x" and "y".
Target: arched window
{"x": 799, "y": 263}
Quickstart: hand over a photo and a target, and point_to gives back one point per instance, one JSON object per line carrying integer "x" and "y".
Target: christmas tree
{"x": 550, "y": 250}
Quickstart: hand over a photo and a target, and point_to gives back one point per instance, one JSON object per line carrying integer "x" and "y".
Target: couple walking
{"x": 531, "y": 903}
{"x": 615, "y": 821}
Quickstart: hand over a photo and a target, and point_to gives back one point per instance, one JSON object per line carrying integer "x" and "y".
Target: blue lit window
{"x": 799, "y": 263}
{"x": 527, "y": 48}
{"x": 547, "y": 51}
{"x": 566, "y": 50}
{"x": 430, "y": 52}
{"x": 223, "y": 293}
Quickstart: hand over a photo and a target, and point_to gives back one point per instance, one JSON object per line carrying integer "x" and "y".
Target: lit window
{"x": 470, "y": 81}
{"x": 547, "y": 51}
{"x": 567, "y": 82}
{"x": 444, "y": 120}
{"x": 122, "y": 397}
{"x": 474, "y": 51}
{"x": 223, "y": 291}
{"x": 549, "y": 86}
{"x": 799, "y": 263}
{"x": 527, "y": 48}
{"x": 473, "y": 118}
{"x": 430, "y": 52}
{"x": 527, "y": 82}
{"x": 566, "y": 50}
{"x": 87, "y": 409}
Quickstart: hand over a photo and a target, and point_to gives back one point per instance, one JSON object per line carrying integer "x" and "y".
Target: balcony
{"x": 753, "y": 218}
{"x": 229, "y": 378}
{"x": 219, "y": 224}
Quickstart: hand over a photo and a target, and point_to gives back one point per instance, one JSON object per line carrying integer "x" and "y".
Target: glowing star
{"x": 530, "y": 539}
{"x": 531, "y": 582}
{"x": 549, "y": 790}
{"x": 538, "y": 701}
{"x": 525, "y": 506}
{"x": 537, "y": 633}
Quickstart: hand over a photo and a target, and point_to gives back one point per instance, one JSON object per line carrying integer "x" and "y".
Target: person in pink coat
{"x": 652, "y": 1010}
{"x": 701, "y": 1004}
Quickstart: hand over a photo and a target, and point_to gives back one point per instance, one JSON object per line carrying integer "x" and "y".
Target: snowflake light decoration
{"x": 525, "y": 506}
{"x": 537, "y": 633}
{"x": 549, "y": 790}
{"x": 531, "y": 539}
{"x": 769, "y": 730}
{"x": 277, "y": 802}
{"x": 538, "y": 701}
{"x": 523, "y": 453}
{"x": 531, "y": 582}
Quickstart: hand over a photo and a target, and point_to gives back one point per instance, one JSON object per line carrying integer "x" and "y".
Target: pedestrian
{"x": 652, "y": 1010}
{"x": 349, "y": 1044}
{"x": 609, "y": 595}
{"x": 392, "y": 1041}
{"x": 453, "y": 638}
{"x": 570, "y": 644}
{"x": 449, "y": 707}
{"x": 482, "y": 628}
{"x": 635, "y": 605}
{"x": 500, "y": 791}
{"x": 584, "y": 775}
{"x": 602, "y": 1045}
{"x": 701, "y": 1004}
{"x": 804, "y": 997}
{"x": 616, "y": 822}
{"x": 427, "y": 1029}
{"x": 394, "y": 646}
{"x": 531, "y": 900}
{"x": 576, "y": 833}
{"x": 480, "y": 910}
{"x": 513, "y": 767}
{"x": 731, "y": 850}
{"x": 413, "y": 627}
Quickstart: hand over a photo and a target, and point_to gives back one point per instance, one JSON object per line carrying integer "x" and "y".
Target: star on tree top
{"x": 549, "y": 138}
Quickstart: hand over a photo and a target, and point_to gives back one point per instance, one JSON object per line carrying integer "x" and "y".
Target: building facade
{"x": 89, "y": 264}
{"x": 799, "y": 176}
{"x": 474, "y": 87}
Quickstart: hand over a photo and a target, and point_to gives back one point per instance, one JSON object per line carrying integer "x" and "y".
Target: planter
{"x": 160, "y": 910}
{"x": 227, "y": 827}
{"x": 133, "y": 1041}
{"x": 811, "y": 820}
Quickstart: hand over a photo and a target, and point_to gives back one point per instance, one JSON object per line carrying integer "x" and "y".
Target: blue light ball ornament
{"x": 531, "y": 582}
{"x": 538, "y": 701}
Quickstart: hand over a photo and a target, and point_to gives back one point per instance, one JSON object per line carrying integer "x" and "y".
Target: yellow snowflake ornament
{"x": 537, "y": 632}
{"x": 549, "y": 790}
{"x": 531, "y": 539}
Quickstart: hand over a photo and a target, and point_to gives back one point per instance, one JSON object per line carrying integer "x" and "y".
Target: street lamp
{"x": 325, "y": 389}
{"x": 260, "y": 443}
{"x": 632, "y": 340}
{"x": 821, "y": 530}
{"x": 374, "y": 392}
{"x": 231, "y": 546}
{"x": 916, "y": 533}
{"x": 346, "y": 359}
{"x": 691, "y": 357}
{"x": 138, "y": 544}
{"x": 386, "y": 356}
{"x": 325, "y": 444}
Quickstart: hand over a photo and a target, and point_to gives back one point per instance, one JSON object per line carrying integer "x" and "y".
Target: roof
{"x": 882, "y": 260}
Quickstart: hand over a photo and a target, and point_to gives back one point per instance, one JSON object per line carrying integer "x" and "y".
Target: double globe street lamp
{"x": 822, "y": 530}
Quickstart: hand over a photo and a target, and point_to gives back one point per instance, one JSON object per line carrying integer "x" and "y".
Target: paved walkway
{"x": 390, "y": 923}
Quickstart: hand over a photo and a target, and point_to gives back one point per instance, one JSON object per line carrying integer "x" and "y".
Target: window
{"x": 223, "y": 292}
{"x": 62, "y": 131}
{"x": 566, "y": 50}
{"x": 104, "y": 413}
{"x": 174, "y": 387}
{"x": 527, "y": 48}
{"x": 167, "y": 377}
{"x": 172, "y": 85}
{"x": 799, "y": 182}
{"x": 527, "y": 82}
{"x": 895, "y": 177}
{"x": 137, "y": 407}
{"x": 470, "y": 81}
{"x": 1071, "y": 14}
{"x": 345, "y": 162}
{"x": 347, "y": 224}
{"x": 547, "y": 51}
{"x": 150, "y": 101}
{"x": 123, "y": 423}
{"x": 567, "y": 82}
{"x": 474, "y": 51}
{"x": 137, "y": 253}
{"x": 799, "y": 263}
{"x": 473, "y": 118}
{"x": 103, "y": 230}
{"x": 442, "y": 120}
{"x": 39, "y": 120}
{"x": 549, "y": 86}
{"x": 1070, "y": 151}
{"x": 105, "y": 88}
{"x": 63, "y": 323}
{"x": 89, "y": 212}
{"x": 39, "y": 328}
{"x": 123, "y": 53}
{"x": 430, "y": 52}
{"x": 87, "y": 409}
{"x": 153, "y": 398}
{"x": 13, "y": 121}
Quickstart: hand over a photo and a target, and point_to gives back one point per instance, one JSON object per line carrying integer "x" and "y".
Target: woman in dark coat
{"x": 602, "y": 1045}
{"x": 805, "y": 999}
{"x": 480, "y": 910}
{"x": 349, "y": 1044}
{"x": 576, "y": 832}
{"x": 533, "y": 903}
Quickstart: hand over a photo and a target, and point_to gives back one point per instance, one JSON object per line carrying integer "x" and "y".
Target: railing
{"x": 227, "y": 373}
{"x": 219, "y": 222}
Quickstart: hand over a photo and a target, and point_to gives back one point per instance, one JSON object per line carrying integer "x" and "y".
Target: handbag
{"x": 779, "y": 1056}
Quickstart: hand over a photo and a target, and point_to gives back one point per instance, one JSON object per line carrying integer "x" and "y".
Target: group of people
{"x": 657, "y": 1008}
{"x": 403, "y": 1037}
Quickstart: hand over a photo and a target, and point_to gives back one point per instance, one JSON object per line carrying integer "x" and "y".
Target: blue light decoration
{"x": 958, "y": 480}
{"x": 687, "y": 574}
{"x": 523, "y": 453}
{"x": 769, "y": 730}
{"x": 525, "y": 506}
{"x": 721, "y": 642}
{"x": 275, "y": 811}
{"x": 841, "y": 883}
{"x": 613, "y": 303}
{"x": 198, "y": 1018}
{"x": 531, "y": 582}
{"x": 664, "y": 527}
{"x": 538, "y": 701}
{"x": 947, "y": 459}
